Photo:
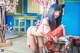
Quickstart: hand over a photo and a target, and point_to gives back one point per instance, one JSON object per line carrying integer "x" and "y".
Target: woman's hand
{"x": 55, "y": 39}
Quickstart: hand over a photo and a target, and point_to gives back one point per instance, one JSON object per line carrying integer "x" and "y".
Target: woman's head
{"x": 54, "y": 15}
{"x": 57, "y": 14}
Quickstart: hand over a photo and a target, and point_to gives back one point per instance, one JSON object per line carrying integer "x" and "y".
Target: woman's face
{"x": 56, "y": 13}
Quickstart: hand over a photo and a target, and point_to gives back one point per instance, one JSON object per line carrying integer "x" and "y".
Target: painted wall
{"x": 32, "y": 8}
{"x": 71, "y": 17}
{"x": 10, "y": 18}
{"x": 25, "y": 6}
{"x": 9, "y": 21}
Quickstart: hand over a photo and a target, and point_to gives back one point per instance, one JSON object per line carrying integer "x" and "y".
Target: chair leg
{"x": 71, "y": 49}
{"x": 60, "y": 47}
{"x": 77, "y": 49}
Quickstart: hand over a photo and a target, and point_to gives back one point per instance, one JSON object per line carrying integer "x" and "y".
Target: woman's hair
{"x": 54, "y": 22}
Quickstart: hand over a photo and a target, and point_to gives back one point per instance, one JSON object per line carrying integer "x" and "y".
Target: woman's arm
{"x": 42, "y": 32}
{"x": 64, "y": 32}
{"x": 58, "y": 32}
{"x": 43, "y": 28}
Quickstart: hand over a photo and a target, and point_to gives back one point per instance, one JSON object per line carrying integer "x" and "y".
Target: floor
{"x": 19, "y": 45}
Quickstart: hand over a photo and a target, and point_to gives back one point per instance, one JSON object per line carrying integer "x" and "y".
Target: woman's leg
{"x": 40, "y": 43}
{"x": 31, "y": 39}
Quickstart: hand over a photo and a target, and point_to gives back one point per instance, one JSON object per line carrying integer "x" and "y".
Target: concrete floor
{"x": 19, "y": 45}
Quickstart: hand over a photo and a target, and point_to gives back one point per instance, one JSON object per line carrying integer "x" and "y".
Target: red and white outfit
{"x": 58, "y": 32}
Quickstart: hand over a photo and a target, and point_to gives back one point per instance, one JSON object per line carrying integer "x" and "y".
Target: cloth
{"x": 58, "y": 32}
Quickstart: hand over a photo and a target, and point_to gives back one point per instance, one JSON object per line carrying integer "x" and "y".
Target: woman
{"x": 48, "y": 24}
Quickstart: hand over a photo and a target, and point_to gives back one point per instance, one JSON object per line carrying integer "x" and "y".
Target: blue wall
{"x": 10, "y": 19}
{"x": 25, "y": 6}
{"x": 71, "y": 18}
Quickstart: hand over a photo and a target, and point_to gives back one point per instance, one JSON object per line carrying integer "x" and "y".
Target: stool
{"x": 32, "y": 18}
{"x": 49, "y": 43}
{"x": 61, "y": 44}
{"x": 76, "y": 43}
{"x": 21, "y": 24}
